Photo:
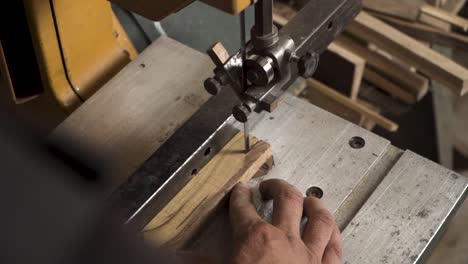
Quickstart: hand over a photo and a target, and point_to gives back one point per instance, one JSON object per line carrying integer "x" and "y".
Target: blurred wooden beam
{"x": 341, "y": 69}
{"x": 426, "y": 32}
{"x": 353, "y": 105}
{"x": 411, "y": 51}
{"x": 409, "y": 81}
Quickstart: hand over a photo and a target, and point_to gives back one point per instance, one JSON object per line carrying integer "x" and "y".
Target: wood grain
{"x": 407, "y": 9}
{"x": 433, "y": 21}
{"x": 426, "y": 32}
{"x": 412, "y": 52}
{"x": 453, "y": 6}
{"x": 331, "y": 105}
{"x": 445, "y": 16}
{"x": 184, "y": 215}
{"x": 394, "y": 90}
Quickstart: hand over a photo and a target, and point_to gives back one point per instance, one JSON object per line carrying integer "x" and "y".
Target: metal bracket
{"x": 274, "y": 58}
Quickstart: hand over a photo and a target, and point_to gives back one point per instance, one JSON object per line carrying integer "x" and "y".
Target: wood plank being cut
{"x": 189, "y": 210}
{"x": 410, "y": 51}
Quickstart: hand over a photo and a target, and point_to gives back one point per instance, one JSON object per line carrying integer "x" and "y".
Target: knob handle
{"x": 213, "y": 86}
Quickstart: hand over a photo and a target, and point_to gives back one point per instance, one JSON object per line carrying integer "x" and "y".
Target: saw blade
{"x": 243, "y": 38}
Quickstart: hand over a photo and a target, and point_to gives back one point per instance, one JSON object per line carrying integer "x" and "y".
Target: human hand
{"x": 256, "y": 241}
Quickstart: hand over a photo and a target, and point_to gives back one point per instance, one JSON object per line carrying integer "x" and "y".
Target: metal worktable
{"x": 391, "y": 204}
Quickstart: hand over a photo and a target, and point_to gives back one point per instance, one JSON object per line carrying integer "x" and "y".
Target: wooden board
{"x": 432, "y": 21}
{"x": 139, "y": 109}
{"x": 404, "y": 213}
{"x": 412, "y": 52}
{"x": 388, "y": 86}
{"x": 377, "y": 118}
{"x": 453, "y": 6}
{"x": 427, "y": 33}
{"x": 189, "y": 210}
{"x": 407, "y": 9}
{"x": 409, "y": 81}
{"x": 329, "y": 104}
{"x": 341, "y": 69}
{"x": 419, "y": 11}
{"x": 444, "y": 16}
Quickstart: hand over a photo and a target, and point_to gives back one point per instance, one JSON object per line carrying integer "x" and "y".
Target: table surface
{"x": 390, "y": 204}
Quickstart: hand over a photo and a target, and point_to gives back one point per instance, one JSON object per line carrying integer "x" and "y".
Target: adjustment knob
{"x": 241, "y": 113}
{"x": 213, "y": 86}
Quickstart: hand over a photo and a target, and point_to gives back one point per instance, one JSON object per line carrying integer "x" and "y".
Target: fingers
{"x": 334, "y": 250}
{"x": 287, "y": 204}
{"x": 242, "y": 213}
{"x": 319, "y": 228}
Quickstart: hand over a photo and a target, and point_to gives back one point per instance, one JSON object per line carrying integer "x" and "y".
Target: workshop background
{"x": 377, "y": 89}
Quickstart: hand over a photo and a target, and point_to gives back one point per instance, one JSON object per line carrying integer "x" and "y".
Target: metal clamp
{"x": 276, "y": 57}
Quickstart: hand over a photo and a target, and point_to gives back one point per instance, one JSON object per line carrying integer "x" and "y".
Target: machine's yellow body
{"x": 80, "y": 45}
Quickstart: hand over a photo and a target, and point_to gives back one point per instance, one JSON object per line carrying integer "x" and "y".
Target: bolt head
{"x": 213, "y": 86}
{"x": 307, "y": 64}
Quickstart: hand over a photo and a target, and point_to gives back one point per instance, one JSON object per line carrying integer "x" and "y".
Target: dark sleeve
{"x": 49, "y": 215}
